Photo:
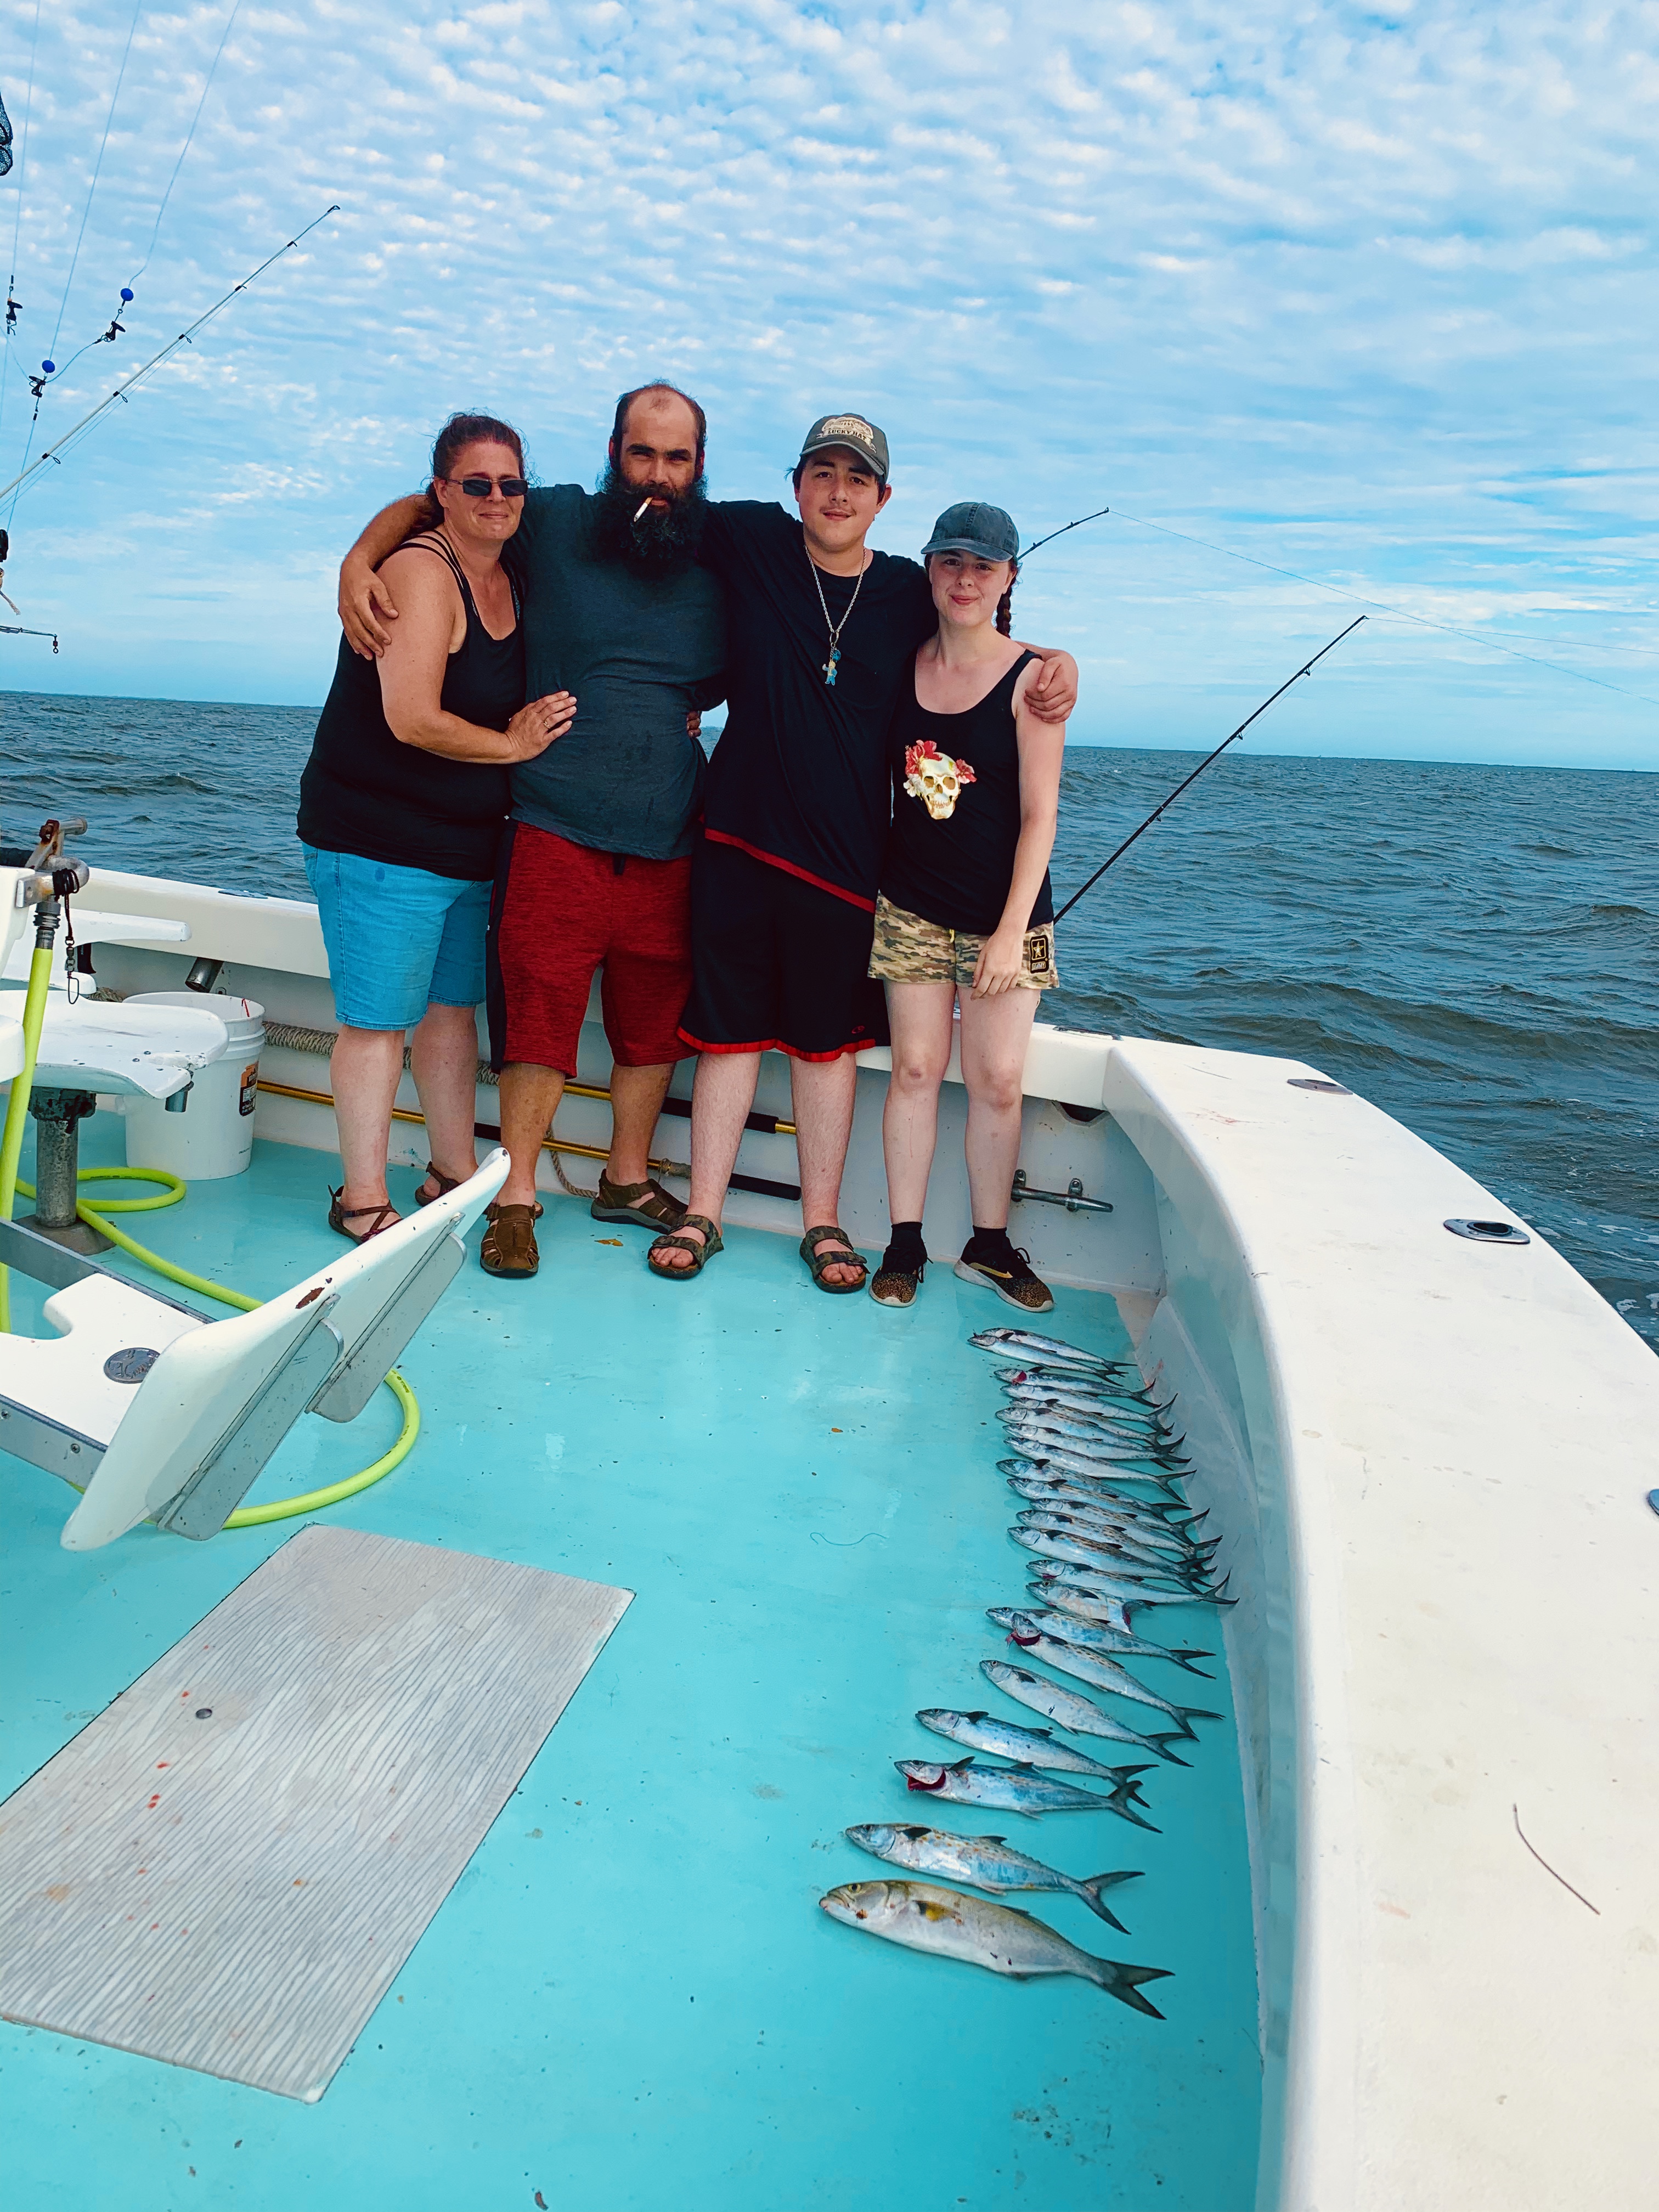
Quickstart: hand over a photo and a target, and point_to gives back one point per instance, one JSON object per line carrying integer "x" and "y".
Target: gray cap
{"x": 972, "y": 526}
{"x": 869, "y": 443}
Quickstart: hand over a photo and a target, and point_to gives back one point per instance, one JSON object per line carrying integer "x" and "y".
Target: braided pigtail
{"x": 1005, "y": 616}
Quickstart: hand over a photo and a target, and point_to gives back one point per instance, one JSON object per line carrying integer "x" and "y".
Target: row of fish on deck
{"x": 1103, "y": 1517}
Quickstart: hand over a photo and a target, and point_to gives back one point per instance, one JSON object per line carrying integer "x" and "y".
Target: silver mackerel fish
{"x": 1003, "y": 1788}
{"x": 988, "y": 1861}
{"x": 1027, "y": 1746}
{"x": 924, "y": 1917}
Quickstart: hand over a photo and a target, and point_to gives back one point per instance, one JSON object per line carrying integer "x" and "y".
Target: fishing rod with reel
{"x": 1230, "y": 738}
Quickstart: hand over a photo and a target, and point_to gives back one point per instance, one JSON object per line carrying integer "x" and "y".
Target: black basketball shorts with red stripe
{"x": 777, "y": 963}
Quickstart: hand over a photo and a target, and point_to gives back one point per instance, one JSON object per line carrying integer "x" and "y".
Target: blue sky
{"x": 1367, "y": 295}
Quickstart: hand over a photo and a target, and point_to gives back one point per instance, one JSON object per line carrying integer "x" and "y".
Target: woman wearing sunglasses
{"x": 401, "y": 806}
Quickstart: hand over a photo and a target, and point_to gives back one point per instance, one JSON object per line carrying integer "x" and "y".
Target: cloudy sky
{"x": 1366, "y": 295}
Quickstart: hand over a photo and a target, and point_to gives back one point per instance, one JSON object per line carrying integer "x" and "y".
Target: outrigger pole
{"x": 55, "y": 452}
{"x": 1203, "y": 764}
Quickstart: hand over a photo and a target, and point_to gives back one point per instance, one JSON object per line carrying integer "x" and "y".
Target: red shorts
{"x": 561, "y": 910}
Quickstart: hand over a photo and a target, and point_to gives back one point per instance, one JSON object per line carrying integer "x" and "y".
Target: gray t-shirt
{"x": 639, "y": 652}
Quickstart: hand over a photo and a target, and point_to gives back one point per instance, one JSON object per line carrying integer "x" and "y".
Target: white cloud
{"x": 1354, "y": 295}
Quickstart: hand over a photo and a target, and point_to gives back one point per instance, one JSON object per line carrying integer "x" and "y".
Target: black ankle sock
{"x": 905, "y": 1251}
{"x": 990, "y": 1245}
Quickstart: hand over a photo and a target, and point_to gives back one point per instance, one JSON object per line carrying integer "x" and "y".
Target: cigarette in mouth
{"x": 641, "y": 508}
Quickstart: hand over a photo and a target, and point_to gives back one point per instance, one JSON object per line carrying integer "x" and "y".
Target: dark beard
{"x": 658, "y": 545}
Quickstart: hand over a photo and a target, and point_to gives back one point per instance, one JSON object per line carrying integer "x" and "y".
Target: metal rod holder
{"x": 1071, "y": 1198}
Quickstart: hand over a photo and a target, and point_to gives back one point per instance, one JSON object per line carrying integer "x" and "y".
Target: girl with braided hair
{"x": 965, "y": 919}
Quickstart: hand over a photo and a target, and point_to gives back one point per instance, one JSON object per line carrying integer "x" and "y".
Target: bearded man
{"x": 595, "y": 869}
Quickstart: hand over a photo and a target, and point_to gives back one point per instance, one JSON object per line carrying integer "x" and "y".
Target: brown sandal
{"x": 509, "y": 1242}
{"x": 445, "y": 1184}
{"x": 812, "y": 1250}
{"x": 614, "y": 1201}
{"x": 701, "y": 1254}
{"x": 385, "y": 1217}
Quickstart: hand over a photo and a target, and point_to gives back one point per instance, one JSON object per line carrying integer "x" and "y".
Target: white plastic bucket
{"x": 214, "y": 1135}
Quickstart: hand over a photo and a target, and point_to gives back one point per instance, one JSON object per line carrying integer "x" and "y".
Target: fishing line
{"x": 48, "y": 366}
{"x": 13, "y": 304}
{"x": 1204, "y": 763}
{"x": 72, "y": 436}
{"x": 96, "y": 167}
{"x": 1359, "y": 598}
{"x": 189, "y": 134}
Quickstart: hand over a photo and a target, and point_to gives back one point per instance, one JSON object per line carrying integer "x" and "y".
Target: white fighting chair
{"x": 153, "y": 1412}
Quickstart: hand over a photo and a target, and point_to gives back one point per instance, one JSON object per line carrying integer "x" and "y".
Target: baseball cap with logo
{"x": 869, "y": 443}
{"x": 972, "y": 526}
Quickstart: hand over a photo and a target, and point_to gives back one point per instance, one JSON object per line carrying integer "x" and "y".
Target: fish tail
{"x": 1090, "y": 1891}
{"x": 1186, "y": 1715}
{"x": 1161, "y": 1744}
{"x": 1124, "y": 1983}
{"x": 1186, "y": 1658}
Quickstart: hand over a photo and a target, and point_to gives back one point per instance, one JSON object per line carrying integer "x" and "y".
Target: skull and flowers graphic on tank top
{"x": 934, "y": 778}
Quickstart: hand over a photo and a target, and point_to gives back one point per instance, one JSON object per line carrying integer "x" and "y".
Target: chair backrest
{"x": 214, "y": 1406}
{"x": 14, "y": 918}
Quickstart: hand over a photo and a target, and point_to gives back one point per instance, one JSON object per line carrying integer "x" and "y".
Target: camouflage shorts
{"x": 908, "y": 950}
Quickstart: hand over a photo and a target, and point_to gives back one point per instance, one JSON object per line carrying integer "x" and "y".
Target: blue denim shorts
{"x": 399, "y": 939}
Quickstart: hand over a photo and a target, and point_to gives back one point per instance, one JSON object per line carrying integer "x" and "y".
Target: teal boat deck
{"x": 630, "y": 2000}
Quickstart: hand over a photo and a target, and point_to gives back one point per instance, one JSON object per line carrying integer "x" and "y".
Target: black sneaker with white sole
{"x": 987, "y": 1257}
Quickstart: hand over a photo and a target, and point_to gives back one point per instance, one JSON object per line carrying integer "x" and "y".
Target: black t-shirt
{"x": 638, "y": 651}
{"x": 800, "y": 778}
{"x": 955, "y": 811}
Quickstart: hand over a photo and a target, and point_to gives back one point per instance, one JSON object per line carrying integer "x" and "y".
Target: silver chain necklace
{"x": 834, "y": 628}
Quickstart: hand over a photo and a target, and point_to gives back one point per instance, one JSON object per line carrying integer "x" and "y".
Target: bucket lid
{"x": 243, "y": 1019}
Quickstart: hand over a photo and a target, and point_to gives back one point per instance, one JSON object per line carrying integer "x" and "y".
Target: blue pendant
{"x": 829, "y": 666}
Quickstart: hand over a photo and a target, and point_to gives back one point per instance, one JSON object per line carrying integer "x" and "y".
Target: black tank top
{"x": 956, "y": 812}
{"x": 362, "y": 792}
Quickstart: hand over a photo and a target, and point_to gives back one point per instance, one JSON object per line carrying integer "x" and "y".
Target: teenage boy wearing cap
{"x": 822, "y": 634}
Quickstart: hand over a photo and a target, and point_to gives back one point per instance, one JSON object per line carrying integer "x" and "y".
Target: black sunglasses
{"x": 481, "y": 487}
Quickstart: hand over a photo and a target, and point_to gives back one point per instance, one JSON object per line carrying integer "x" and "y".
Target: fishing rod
{"x": 1203, "y": 764}
{"x": 185, "y": 337}
{"x": 1064, "y": 527}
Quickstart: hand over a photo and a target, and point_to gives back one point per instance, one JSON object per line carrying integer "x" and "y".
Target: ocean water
{"x": 1476, "y": 949}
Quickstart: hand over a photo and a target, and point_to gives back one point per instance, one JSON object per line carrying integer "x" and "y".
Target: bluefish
{"x": 1046, "y": 1348}
{"x": 1094, "y": 1635}
{"x": 1029, "y": 1747}
{"x": 1099, "y": 1412}
{"x": 1082, "y": 1552}
{"x": 1155, "y": 1513}
{"x": 988, "y": 1862}
{"x": 925, "y": 1917}
{"x": 1004, "y": 1789}
{"x": 1072, "y": 1430}
{"x": 1067, "y": 1494}
{"x": 1120, "y": 1388}
{"x": 1111, "y": 1535}
{"x": 1070, "y": 1710}
{"x": 1105, "y": 1673}
{"x": 1113, "y": 1584}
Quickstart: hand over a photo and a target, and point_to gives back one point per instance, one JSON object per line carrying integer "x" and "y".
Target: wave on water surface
{"x": 1475, "y": 949}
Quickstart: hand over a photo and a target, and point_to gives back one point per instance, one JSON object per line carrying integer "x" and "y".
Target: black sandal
{"x": 445, "y": 1184}
{"x": 812, "y": 1251}
{"x": 339, "y": 1215}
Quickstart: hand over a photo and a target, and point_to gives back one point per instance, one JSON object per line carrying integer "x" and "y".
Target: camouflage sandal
{"x": 614, "y": 1201}
{"x": 701, "y": 1254}
{"x": 812, "y": 1250}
